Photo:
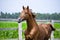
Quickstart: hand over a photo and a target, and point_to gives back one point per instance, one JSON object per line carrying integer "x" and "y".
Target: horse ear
{"x": 27, "y": 7}
{"x": 23, "y": 8}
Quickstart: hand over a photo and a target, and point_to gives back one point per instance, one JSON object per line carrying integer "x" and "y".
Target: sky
{"x": 40, "y": 6}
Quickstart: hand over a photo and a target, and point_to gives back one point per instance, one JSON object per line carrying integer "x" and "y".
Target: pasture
{"x": 14, "y": 33}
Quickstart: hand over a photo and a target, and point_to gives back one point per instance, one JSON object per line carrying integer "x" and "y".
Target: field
{"x": 14, "y": 33}
{"x": 8, "y": 24}
{"x": 8, "y": 33}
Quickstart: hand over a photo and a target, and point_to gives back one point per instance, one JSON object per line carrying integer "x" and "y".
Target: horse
{"x": 34, "y": 31}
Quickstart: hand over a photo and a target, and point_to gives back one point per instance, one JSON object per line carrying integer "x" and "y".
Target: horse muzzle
{"x": 20, "y": 20}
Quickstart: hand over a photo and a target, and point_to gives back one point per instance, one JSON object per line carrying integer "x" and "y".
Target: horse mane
{"x": 32, "y": 13}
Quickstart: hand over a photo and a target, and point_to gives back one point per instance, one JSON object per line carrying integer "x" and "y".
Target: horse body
{"x": 35, "y": 31}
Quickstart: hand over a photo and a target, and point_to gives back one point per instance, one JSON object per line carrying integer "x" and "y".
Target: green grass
{"x": 57, "y": 34}
{"x": 14, "y": 33}
{"x": 8, "y": 34}
{"x": 57, "y": 25}
{"x": 8, "y": 24}
{"x": 24, "y": 25}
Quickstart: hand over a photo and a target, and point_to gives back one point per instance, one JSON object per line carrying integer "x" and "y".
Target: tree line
{"x": 52, "y": 16}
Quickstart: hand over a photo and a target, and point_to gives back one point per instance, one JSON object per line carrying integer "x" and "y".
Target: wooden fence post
{"x": 52, "y": 34}
{"x": 20, "y": 31}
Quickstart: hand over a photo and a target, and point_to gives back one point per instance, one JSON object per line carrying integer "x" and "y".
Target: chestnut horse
{"x": 34, "y": 31}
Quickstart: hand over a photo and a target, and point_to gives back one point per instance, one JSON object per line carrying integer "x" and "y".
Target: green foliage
{"x": 54, "y": 16}
{"x": 24, "y": 26}
{"x": 8, "y": 24}
{"x": 14, "y": 33}
{"x": 8, "y": 15}
{"x": 57, "y": 34}
{"x": 57, "y": 25}
{"x": 8, "y": 34}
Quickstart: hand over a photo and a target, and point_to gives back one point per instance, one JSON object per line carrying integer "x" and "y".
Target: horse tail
{"x": 53, "y": 29}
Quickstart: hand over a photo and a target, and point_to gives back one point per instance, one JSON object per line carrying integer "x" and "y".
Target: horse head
{"x": 26, "y": 13}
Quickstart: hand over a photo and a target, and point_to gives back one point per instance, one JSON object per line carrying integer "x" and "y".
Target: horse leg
{"x": 46, "y": 39}
{"x": 28, "y": 37}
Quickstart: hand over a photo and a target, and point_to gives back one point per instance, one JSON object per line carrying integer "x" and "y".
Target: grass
{"x": 14, "y": 33}
{"x": 8, "y": 24}
{"x": 57, "y": 25}
{"x": 57, "y": 34}
{"x": 24, "y": 25}
{"x": 8, "y": 34}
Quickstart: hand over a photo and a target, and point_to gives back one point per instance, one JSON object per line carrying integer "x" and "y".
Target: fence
{"x": 20, "y": 27}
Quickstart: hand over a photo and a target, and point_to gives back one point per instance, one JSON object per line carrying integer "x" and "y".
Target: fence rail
{"x": 5, "y": 19}
{"x": 4, "y": 29}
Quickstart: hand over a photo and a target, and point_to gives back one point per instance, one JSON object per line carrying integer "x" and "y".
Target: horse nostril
{"x": 20, "y": 20}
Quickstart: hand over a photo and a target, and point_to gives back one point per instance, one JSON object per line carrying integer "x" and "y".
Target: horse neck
{"x": 31, "y": 23}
